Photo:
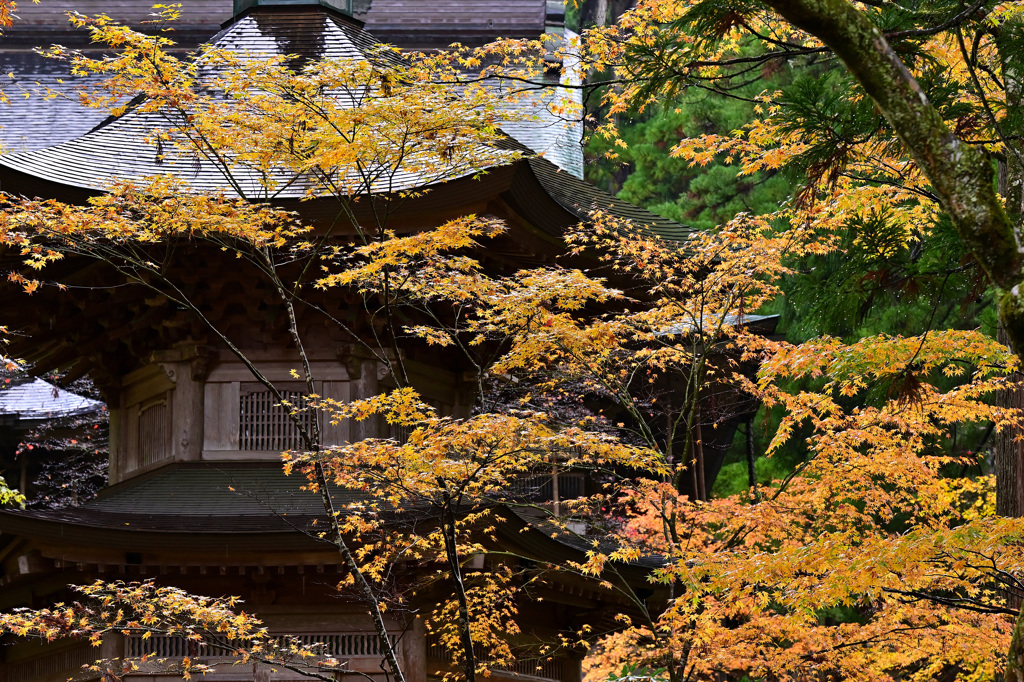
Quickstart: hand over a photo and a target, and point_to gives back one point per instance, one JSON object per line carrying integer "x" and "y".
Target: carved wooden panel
{"x": 220, "y": 416}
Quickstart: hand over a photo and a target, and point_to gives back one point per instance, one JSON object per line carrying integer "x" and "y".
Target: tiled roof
{"x": 579, "y": 198}
{"x": 34, "y": 117}
{"x": 31, "y": 399}
{"x": 122, "y": 148}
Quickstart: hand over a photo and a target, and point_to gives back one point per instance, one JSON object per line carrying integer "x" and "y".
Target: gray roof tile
{"x": 31, "y": 399}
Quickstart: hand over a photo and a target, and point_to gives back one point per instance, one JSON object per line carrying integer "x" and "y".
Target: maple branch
{"x": 980, "y": 93}
{"x": 892, "y": 183}
{"x": 954, "y": 21}
{"x": 965, "y": 603}
{"x": 1005, "y": 577}
{"x": 867, "y": 640}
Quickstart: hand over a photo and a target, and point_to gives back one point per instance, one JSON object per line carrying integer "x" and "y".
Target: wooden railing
{"x": 336, "y": 644}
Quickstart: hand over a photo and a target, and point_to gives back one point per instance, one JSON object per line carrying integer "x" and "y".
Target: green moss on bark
{"x": 962, "y": 177}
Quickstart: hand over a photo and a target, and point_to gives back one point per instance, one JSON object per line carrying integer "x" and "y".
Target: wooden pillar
{"x": 187, "y": 366}
{"x": 220, "y": 416}
{"x": 365, "y": 383}
{"x": 414, "y": 651}
{"x": 187, "y": 402}
{"x": 336, "y": 434}
{"x": 572, "y": 669}
{"x": 115, "y": 447}
{"x": 112, "y": 648}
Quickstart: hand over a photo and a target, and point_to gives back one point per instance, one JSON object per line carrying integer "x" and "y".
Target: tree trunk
{"x": 1009, "y": 446}
{"x": 593, "y": 13}
{"x": 617, "y": 8}
{"x": 1009, "y": 459}
{"x": 751, "y": 469}
{"x": 1015, "y": 657}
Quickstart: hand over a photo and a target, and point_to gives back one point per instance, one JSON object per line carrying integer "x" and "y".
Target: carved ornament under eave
{"x": 197, "y": 357}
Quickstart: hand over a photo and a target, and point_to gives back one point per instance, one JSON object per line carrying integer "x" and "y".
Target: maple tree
{"x": 941, "y": 124}
{"x": 874, "y": 524}
{"x": 862, "y": 168}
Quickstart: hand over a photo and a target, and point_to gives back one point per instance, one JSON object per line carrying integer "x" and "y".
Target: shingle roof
{"x": 440, "y": 22}
{"x": 247, "y": 499}
{"x": 405, "y": 22}
{"x": 546, "y": 131}
{"x": 33, "y": 118}
{"x": 123, "y": 148}
{"x": 32, "y": 399}
{"x": 216, "y": 489}
{"x": 202, "y": 498}
{"x": 579, "y": 198}
{"x": 762, "y": 324}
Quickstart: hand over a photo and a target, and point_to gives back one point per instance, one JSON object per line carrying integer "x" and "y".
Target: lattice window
{"x": 542, "y": 668}
{"x": 263, "y": 424}
{"x": 542, "y": 488}
{"x": 345, "y": 645}
{"x": 49, "y": 666}
{"x": 154, "y": 431}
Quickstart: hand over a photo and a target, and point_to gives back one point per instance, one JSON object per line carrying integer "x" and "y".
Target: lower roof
{"x": 202, "y": 509}
{"x": 201, "y": 498}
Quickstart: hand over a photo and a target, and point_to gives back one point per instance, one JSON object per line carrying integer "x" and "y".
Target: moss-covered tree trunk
{"x": 1010, "y": 444}
{"x": 1009, "y": 460}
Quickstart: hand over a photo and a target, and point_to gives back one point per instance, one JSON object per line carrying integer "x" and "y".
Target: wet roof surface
{"x": 202, "y": 498}
{"x": 31, "y": 399}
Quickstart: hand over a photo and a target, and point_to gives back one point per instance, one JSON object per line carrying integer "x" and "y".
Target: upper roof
{"x": 423, "y": 24}
{"x": 124, "y": 148}
{"x": 32, "y": 120}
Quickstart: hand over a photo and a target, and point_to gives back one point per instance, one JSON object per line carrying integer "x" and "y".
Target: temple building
{"x": 197, "y": 497}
